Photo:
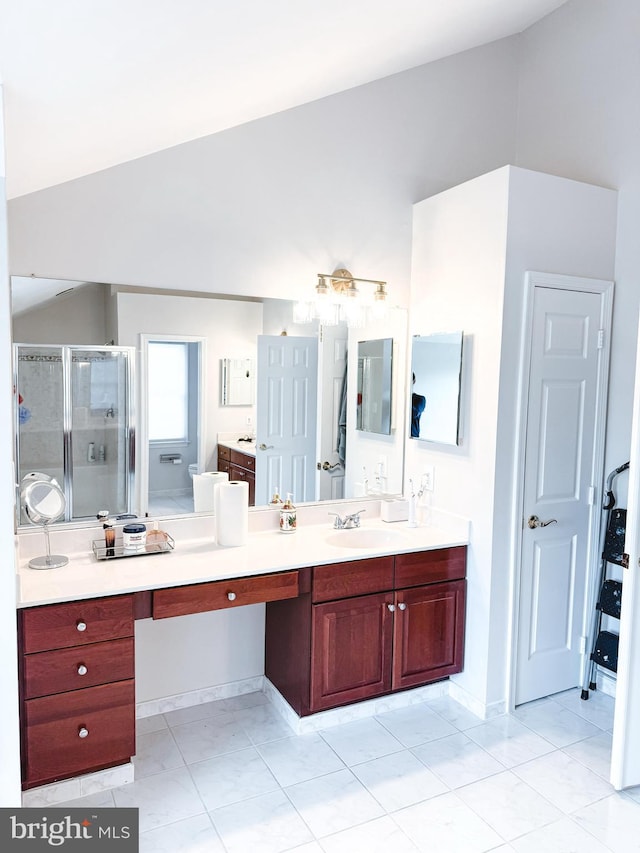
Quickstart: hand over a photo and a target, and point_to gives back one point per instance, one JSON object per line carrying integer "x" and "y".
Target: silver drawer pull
{"x": 81, "y": 626}
{"x": 231, "y": 596}
{"x": 82, "y": 669}
{"x": 402, "y": 606}
{"x": 391, "y": 607}
{"x": 83, "y": 732}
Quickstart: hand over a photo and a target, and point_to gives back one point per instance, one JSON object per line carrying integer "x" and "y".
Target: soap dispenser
{"x": 288, "y": 519}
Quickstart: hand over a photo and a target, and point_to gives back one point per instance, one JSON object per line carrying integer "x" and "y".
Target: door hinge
{"x": 624, "y": 562}
{"x": 583, "y": 645}
{"x": 592, "y": 496}
{"x": 600, "y": 338}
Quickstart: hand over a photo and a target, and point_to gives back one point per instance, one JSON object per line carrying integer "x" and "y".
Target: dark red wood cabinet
{"x": 77, "y": 687}
{"x": 367, "y": 628}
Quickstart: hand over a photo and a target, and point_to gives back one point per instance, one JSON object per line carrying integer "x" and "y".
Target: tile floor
{"x": 230, "y": 776}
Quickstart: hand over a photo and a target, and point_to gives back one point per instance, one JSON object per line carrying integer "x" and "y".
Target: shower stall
{"x": 74, "y": 421}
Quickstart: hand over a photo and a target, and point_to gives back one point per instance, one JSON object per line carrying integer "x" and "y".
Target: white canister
{"x": 134, "y": 536}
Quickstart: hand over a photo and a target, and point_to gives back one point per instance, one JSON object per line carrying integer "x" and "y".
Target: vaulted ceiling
{"x": 92, "y": 83}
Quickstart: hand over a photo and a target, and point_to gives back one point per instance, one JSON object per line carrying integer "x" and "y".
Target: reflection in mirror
{"x": 375, "y": 364}
{"x": 436, "y": 368}
{"x": 228, "y": 328}
{"x": 73, "y": 410}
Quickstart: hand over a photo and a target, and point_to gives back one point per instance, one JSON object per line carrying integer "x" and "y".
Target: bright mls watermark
{"x": 34, "y": 829}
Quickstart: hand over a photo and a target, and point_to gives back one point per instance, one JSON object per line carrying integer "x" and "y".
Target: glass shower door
{"x": 74, "y": 422}
{"x": 39, "y": 396}
{"x": 100, "y": 431}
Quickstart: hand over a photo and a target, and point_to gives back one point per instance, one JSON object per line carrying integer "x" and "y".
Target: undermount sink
{"x": 363, "y": 537}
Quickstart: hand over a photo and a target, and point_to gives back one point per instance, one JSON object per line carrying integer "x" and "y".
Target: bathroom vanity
{"x": 239, "y": 462}
{"x": 345, "y": 622}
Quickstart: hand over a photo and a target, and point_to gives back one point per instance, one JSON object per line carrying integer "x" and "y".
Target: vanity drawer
{"x": 57, "y": 626}
{"x": 244, "y": 460}
{"x": 343, "y": 580}
{"x": 78, "y": 732}
{"x": 180, "y": 600}
{"x": 79, "y": 667}
{"x": 442, "y": 564}
{"x": 224, "y": 453}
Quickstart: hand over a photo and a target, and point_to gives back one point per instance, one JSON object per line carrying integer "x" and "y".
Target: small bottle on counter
{"x": 276, "y": 500}
{"x": 288, "y": 516}
{"x": 156, "y": 539}
{"x": 109, "y": 540}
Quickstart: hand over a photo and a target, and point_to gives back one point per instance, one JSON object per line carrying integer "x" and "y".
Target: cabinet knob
{"x": 391, "y": 607}
{"x": 231, "y": 596}
{"x": 402, "y": 606}
{"x": 81, "y": 626}
{"x": 82, "y": 669}
{"x": 83, "y": 732}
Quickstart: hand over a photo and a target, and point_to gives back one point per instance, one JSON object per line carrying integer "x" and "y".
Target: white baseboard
{"x": 198, "y": 697}
{"x": 79, "y": 786}
{"x": 478, "y": 708}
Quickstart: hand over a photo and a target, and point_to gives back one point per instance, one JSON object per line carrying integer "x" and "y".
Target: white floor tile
{"x": 297, "y": 759}
{"x": 615, "y": 821}
{"x": 594, "y": 753}
{"x": 416, "y": 724}
{"x": 207, "y": 738}
{"x": 509, "y": 805}
{"x": 377, "y": 836}
{"x": 554, "y": 722}
{"x": 564, "y": 836}
{"x": 563, "y": 780}
{"x": 155, "y": 723}
{"x": 155, "y": 752}
{"x": 334, "y": 802}
{"x": 457, "y": 760}
{"x": 192, "y": 835}
{"x": 161, "y": 799}
{"x": 597, "y": 709}
{"x": 446, "y": 825}
{"x": 265, "y": 824}
{"x": 361, "y": 741}
{"x": 454, "y": 713}
{"x": 399, "y": 780}
{"x": 509, "y": 741}
{"x": 263, "y": 723}
{"x": 231, "y": 778}
{"x": 190, "y": 714}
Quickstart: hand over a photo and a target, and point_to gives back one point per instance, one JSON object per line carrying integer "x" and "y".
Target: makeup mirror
{"x": 44, "y": 502}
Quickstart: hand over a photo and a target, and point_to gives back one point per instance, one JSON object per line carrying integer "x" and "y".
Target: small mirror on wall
{"x": 436, "y": 369}
{"x": 375, "y": 361}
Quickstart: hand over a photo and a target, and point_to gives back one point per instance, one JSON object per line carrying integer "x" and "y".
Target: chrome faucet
{"x": 349, "y": 521}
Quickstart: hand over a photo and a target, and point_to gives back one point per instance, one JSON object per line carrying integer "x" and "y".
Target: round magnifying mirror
{"x": 43, "y": 501}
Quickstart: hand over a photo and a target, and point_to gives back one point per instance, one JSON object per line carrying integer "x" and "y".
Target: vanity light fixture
{"x": 338, "y": 298}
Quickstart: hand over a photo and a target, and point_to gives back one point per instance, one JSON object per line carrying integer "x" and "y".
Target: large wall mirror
{"x": 198, "y": 331}
{"x": 436, "y": 371}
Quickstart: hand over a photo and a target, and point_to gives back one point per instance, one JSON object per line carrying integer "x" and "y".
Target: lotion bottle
{"x": 288, "y": 519}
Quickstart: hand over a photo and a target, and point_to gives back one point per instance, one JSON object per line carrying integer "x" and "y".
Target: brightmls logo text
{"x": 33, "y": 829}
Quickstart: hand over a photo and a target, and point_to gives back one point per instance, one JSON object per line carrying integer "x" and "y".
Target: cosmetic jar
{"x": 134, "y": 537}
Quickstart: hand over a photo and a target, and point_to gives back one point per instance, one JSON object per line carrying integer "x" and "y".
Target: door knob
{"x": 327, "y": 466}
{"x": 533, "y": 521}
{"x": 264, "y": 446}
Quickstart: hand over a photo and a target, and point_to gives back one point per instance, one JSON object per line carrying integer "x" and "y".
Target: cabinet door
{"x": 428, "y": 633}
{"x": 237, "y": 473}
{"x": 351, "y": 645}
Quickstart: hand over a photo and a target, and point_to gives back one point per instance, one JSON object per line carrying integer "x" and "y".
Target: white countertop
{"x": 200, "y": 559}
{"x": 248, "y": 447}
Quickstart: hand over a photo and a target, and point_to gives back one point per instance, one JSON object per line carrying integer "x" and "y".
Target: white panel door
{"x": 562, "y": 415}
{"x": 287, "y": 378}
{"x": 333, "y": 364}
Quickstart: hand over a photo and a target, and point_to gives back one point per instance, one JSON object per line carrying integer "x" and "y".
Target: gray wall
{"x": 264, "y": 207}
{"x": 579, "y": 117}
